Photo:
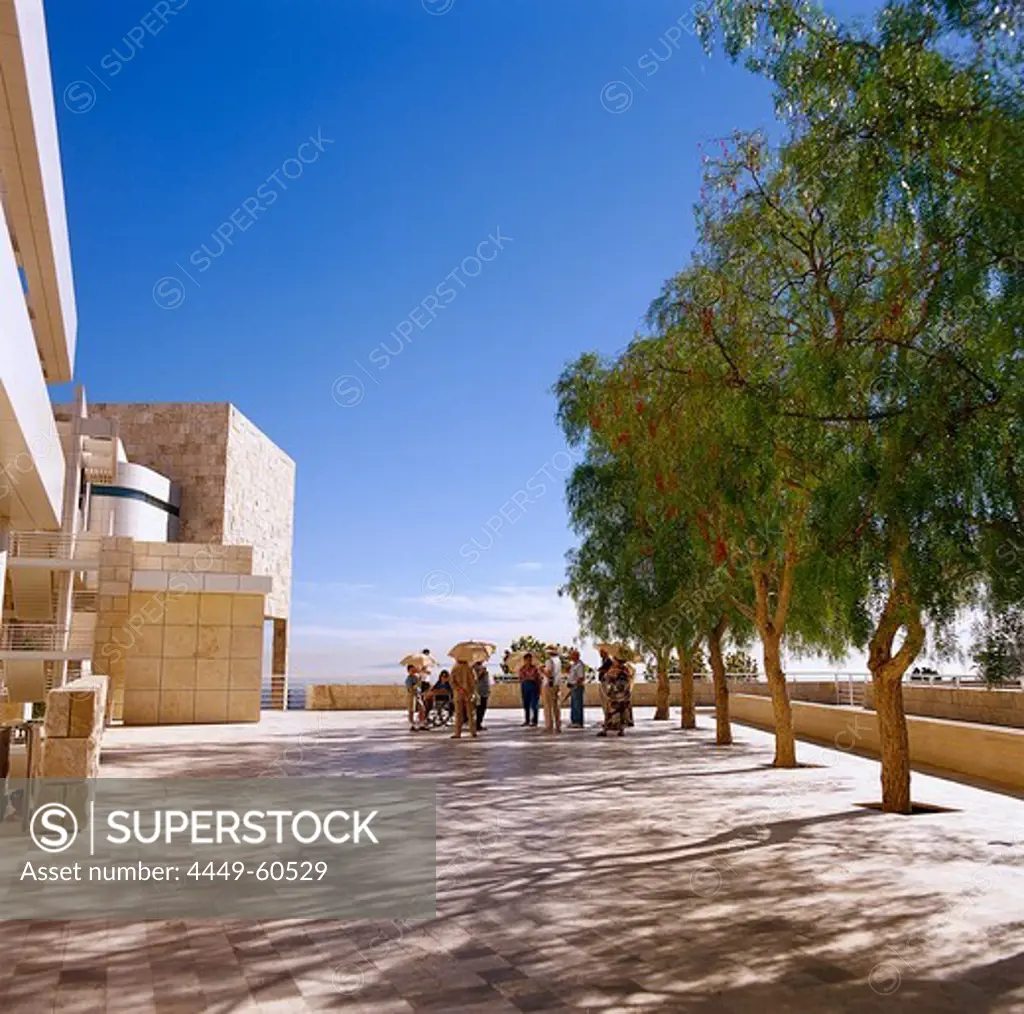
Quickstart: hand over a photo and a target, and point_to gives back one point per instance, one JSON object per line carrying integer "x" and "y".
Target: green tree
{"x": 642, "y": 570}
{"x": 998, "y": 648}
{"x": 526, "y": 642}
{"x": 622, "y": 577}
{"x": 739, "y": 663}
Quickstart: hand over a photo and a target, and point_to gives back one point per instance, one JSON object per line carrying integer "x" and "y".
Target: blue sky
{"x": 260, "y": 195}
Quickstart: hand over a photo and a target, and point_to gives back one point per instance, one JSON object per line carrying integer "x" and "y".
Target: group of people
{"x": 468, "y": 687}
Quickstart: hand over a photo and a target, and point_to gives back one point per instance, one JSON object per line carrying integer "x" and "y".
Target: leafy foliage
{"x": 740, "y": 664}
{"x": 999, "y": 646}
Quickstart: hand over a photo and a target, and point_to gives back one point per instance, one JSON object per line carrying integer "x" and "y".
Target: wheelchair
{"x": 438, "y": 713}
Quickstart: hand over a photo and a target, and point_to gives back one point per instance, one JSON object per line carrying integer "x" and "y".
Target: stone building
{"x": 237, "y": 488}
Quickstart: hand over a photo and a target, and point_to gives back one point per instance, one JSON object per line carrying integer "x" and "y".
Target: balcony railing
{"x": 83, "y": 600}
{"x": 83, "y": 547}
{"x": 45, "y": 637}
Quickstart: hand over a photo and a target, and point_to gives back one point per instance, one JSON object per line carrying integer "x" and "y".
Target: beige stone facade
{"x": 180, "y": 632}
{"x": 237, "y": 486}
{"x": 259, "y": 501}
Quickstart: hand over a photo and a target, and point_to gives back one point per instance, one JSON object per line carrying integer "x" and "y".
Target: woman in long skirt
{"x": 617, "y": 697}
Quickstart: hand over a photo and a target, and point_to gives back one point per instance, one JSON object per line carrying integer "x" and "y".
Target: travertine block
{"x": 212, "y": 674}
{"x": 139, "y": 600}
{"x": 214, "y": 642}
{"x": 178, "y": 674}
{"x": 243, "y": 705}
{"x": 247, "y": 610}
{"x": 149, "y": 642}
{"x": 142, "y": 673}
{"x": 149, "y": 580}
{"x": 70, "y": 758}
{"x": 182, "y": 609}
{"x": 246, "y": 674}
{"x": 180, "y": 641}
{"x": 211, "y": 706}
{"x": 177, "y": 707}
{"x": 57, "y": 722}
{"x": 77, "y": 709}
{"x": 141, "y": 706}
{"x": 215, "y": 610}
{"x": 246, "y": 642}
{"x": 87, "y": 713}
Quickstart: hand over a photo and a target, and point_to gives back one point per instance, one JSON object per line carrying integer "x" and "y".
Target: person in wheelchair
{"x": 438, "y": 706}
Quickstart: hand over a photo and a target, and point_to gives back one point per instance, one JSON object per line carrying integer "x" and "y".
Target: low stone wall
{"x": 961, "y": 704}
{"x": 991, "y": 754}
{"x": 391, "y": 696}
{"x": 73, "y": 728}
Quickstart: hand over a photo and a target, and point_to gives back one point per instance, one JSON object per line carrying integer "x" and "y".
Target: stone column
{"x": 279, "y": 667}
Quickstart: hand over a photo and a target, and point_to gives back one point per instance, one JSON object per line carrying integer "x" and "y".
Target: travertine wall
{"x": 374, "y": 697}
{"x": 259, "y": 506}
{"x": 237, "y": 486}
{"x": 175, "y": 651}
{"x": 199, "y": 660}
{"x": 113, "y": 634}
{"x": 978, "y": 751}
{"x": 963, "y": 704}
{"x": 187, "y": 443}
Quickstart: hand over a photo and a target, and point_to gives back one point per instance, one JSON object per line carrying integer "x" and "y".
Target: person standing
{"x": 602, "y": 676}
{"x": 553, "y": 683}
{"x": 412, "y": 682}
{"x": 577, "y": 689}
{"x": 631, "y": 677}
{"x": 529, "y": 687}
{"x": 617, "y": 694}
{"x": 483, "y": 692}
{"x": 464, "y": 685}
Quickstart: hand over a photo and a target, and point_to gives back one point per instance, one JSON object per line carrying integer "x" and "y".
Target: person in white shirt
{"x": 577, "y": 688}
{"x": 553, "y": 683}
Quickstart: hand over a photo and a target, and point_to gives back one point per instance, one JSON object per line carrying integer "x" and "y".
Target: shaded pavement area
{"x": 656, "y": 872}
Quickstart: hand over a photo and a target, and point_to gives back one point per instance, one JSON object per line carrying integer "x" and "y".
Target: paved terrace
{"x": 651, "y": 873}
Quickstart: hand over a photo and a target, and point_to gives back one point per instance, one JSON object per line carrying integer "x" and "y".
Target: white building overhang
{"x": 34, "y": 184}
{"x": 31, "y": 457}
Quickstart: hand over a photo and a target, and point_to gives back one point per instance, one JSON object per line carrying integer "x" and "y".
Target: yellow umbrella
{"x": 619, "y": 650}
{"x": 515, "y": 661}
{"x": 421, "y": 661}
{"x": 472, "y": 651}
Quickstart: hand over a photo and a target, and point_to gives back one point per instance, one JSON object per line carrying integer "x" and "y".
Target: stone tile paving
{"x": 653, "y": 873}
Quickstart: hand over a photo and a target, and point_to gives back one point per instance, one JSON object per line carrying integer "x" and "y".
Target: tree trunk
{"x": 661, "y": 698}
{"x": 894, "y": 742}
{"x": 887, "y": 670}
{"x": 723, "y": 730}
{"x": 785, "y": 742}
{"x": 689, "y": 716}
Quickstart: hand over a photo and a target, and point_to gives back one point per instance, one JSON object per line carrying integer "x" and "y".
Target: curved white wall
{"x": 128, "y": 508}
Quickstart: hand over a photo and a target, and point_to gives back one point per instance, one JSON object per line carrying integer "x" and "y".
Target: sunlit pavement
{"x": 655, "y": 872}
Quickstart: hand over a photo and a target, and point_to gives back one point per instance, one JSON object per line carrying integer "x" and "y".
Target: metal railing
{"x": 83, "y": 600}
{"x": 46, "y": 637}
{"x": 296, "y": 699}
{"x": 54, "y": 546}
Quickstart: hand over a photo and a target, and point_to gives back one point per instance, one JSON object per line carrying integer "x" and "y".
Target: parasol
{"x": 619, "y": 650}
{"x": 515, "y": 660}
{"x": 472, "y": 651}
{"x": 420, "y": 660}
